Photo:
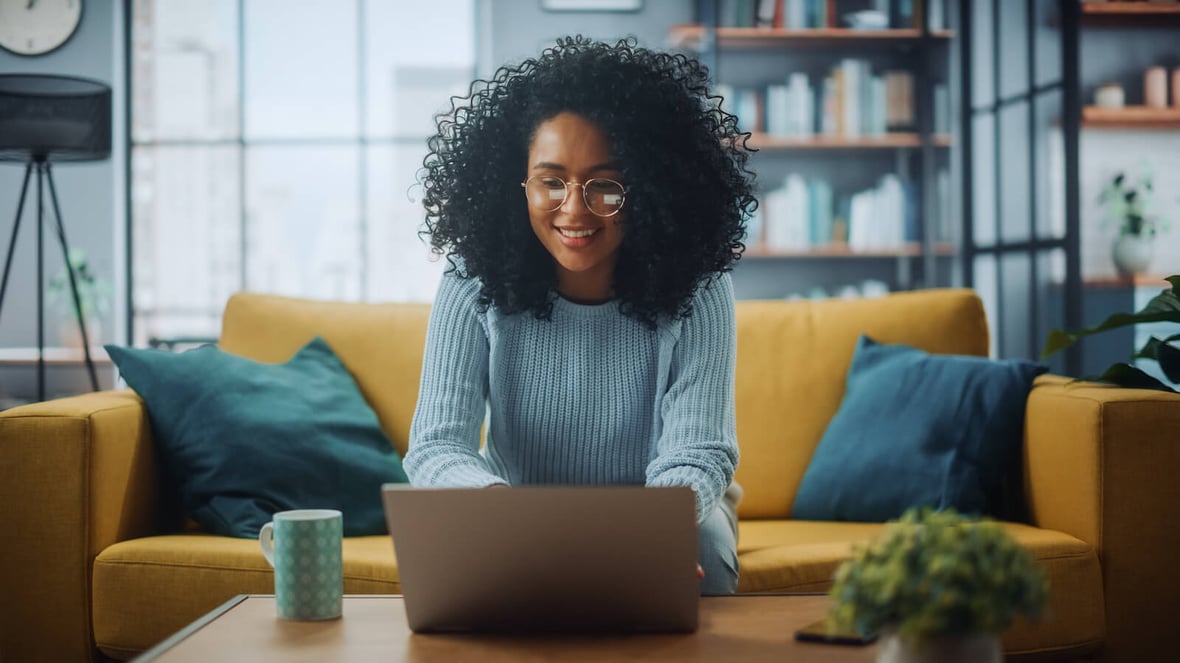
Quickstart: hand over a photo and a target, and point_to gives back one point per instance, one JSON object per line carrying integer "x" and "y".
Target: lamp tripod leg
{"x": 20, "y": 209}
{"x": 65, "y": 249}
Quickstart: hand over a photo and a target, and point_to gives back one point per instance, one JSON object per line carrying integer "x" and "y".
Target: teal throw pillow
{"x": 920, "y": 429}
{"x": 241, "y": 440}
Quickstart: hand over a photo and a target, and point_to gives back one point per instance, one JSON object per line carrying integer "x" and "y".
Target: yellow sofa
{"x": 96, "y": 559}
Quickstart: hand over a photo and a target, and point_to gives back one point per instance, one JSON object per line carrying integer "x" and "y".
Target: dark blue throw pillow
{"x": 919, "y": 429}
{"x": 242, "y": 440}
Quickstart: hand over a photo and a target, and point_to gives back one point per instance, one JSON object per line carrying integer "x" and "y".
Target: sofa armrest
{"x": 78, "y": 474}
{"x": 1102, "y": 463}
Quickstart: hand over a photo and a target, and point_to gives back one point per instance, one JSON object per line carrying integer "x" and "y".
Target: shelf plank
{"x": 1121, "y": 281}
{"x": 1130, "y": 117}
{"x": 842, "y": 250}
{"x": 763, "y": 141}
{"x": 53, "y": 356}
{"x": 1130, "y": 8}
{"x": 691, "y": 36}
{"x": 1145, "y": 15}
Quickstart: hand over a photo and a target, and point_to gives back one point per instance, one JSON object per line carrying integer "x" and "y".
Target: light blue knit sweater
{"x": 588, "y": 397}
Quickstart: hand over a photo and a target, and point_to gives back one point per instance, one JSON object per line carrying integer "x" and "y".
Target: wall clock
{"x": 33, "y": 27}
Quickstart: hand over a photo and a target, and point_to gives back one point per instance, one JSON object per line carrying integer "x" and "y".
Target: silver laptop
{"x": 546, "y": 559}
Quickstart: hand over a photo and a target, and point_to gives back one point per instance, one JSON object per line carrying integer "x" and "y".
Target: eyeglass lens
{"x": 602, "y": 197}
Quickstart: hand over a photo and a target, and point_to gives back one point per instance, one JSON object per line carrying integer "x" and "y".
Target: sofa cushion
{"x": 791, "y": 356}
{"x": 380, "y": 343}
{"x": 919, "y": 429}
{"x": 796, "y": 555}
{"x": 242, "y": 440}
{"x": 147, "y": 589}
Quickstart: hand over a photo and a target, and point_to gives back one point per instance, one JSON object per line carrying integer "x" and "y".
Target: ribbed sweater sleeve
{"x": 444, "y": 435}
{"x": 698, "y": 443}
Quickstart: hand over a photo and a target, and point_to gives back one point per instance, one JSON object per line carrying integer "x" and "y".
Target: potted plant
{"x": 1164, "y": 307}
{"x": 1128, "y": 203}
{"x": 938, "y": 586}
{"x": 93, "y": 295}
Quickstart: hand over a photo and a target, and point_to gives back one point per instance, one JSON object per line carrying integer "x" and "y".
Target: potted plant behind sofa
{"x": 938, "y": 586}
{"x": 1128, "y": 203}
{"x": 1164, "y": 307}
{"x": 93, "y": 295}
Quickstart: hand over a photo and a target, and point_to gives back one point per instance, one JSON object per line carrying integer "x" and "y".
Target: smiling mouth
{"x": 576, "y": 234}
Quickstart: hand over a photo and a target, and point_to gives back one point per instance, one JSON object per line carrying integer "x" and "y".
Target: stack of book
{"x": 850, "y": 101}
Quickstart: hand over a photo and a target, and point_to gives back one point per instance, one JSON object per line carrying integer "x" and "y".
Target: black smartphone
{"x": 818, "y": 632}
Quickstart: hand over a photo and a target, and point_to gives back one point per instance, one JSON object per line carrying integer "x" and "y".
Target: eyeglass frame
{"x": 566, "y": 197}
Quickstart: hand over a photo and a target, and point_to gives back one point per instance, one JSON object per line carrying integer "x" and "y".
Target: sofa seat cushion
{"x": 801, "y": 556}
{"x": 147, "y": 589}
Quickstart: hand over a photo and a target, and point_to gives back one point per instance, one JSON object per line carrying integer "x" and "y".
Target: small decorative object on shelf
{"x": 93, "y": 296}
{"x": 1128, "y": 203}
{"x": 1155, "y": 87}
{"x": 1176, "y": 87}
{"x": 1109, "y": 95}
{"x": 938, "y": 586}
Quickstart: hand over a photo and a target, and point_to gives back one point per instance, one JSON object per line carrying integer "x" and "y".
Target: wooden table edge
{"x": 175, "y": 639}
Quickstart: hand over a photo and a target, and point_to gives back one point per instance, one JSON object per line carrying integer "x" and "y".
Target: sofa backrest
{"x": 791, "y": 363}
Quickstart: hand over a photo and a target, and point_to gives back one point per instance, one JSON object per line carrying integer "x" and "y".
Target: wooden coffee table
{"x": 754, "y": 627}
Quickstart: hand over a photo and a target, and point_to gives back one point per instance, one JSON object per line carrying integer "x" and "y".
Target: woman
{"x": 590, "y": 201}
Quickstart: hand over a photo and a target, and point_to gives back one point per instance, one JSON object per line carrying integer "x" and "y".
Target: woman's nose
{"x": 575, "y": 198}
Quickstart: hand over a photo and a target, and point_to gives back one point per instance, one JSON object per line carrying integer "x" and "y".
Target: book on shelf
{"x": 851, "y": 101}
{"x": 805, "y": 213}
{"x": 820, "y": 14}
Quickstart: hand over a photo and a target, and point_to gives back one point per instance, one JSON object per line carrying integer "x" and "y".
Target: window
{"x": 276, "y": 146}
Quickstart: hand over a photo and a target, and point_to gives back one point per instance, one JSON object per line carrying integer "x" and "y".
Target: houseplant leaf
{"x": 1126, "y": 375}
{"x": 1164, "y": 307}
{"x": 1169, "y": 358}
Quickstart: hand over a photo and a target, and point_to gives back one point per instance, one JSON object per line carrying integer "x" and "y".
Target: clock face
{"x": 32, "y": 27}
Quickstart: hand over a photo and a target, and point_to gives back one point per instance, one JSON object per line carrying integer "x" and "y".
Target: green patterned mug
{"x": 304, "y": 546}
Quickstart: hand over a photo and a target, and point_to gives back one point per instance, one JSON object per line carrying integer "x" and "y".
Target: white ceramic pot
{"x": 891, "y": 648}
{"x": 1132, "y": 254}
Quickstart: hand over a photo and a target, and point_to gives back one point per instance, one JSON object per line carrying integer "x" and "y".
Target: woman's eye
{"x": 552, "y": 183}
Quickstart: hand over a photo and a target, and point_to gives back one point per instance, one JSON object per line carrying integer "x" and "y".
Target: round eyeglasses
{"x": 547, "y": 193}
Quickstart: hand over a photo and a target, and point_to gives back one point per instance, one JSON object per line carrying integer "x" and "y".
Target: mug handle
{"x": 266, "y": 540}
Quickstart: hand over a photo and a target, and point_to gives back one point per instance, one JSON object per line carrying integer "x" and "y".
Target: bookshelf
{"x": 1131, "y": 117}
{"x": 888, "y": 141}
{"x": 843, "y": 250}
{"x": 1106, "y": 12}
{"x": 693, "y": 36}
{"x": 853, "y": 161}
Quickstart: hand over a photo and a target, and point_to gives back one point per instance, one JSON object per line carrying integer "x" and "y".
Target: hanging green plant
{"x": 1164, "y": 307}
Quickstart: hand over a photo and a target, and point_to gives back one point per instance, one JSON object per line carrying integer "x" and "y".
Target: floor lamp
{"x": 47, "y": 119}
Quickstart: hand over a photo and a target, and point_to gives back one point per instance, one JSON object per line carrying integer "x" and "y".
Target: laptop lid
{"x": 546, "y": 558}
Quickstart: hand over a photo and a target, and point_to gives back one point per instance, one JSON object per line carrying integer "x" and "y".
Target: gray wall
{"x": 511, "y": 30}
{"x": 91, "y": 197}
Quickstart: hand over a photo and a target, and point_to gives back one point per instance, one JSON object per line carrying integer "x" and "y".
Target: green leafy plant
{"x": 1164, "y": 307}
{"x": 93, "y": 290}
{"x": 1127, "y": 203}
{"x": 938, "y": 574}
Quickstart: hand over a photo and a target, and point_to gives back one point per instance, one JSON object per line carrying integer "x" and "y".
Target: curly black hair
{"x": 682, "y": 158}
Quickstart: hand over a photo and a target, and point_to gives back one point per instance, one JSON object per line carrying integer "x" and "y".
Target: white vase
{"x": 892, "y": 648}
{"x": 1132, "y": 254}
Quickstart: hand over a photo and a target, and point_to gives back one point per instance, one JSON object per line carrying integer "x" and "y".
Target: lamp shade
{"x": 56, "y": 118}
